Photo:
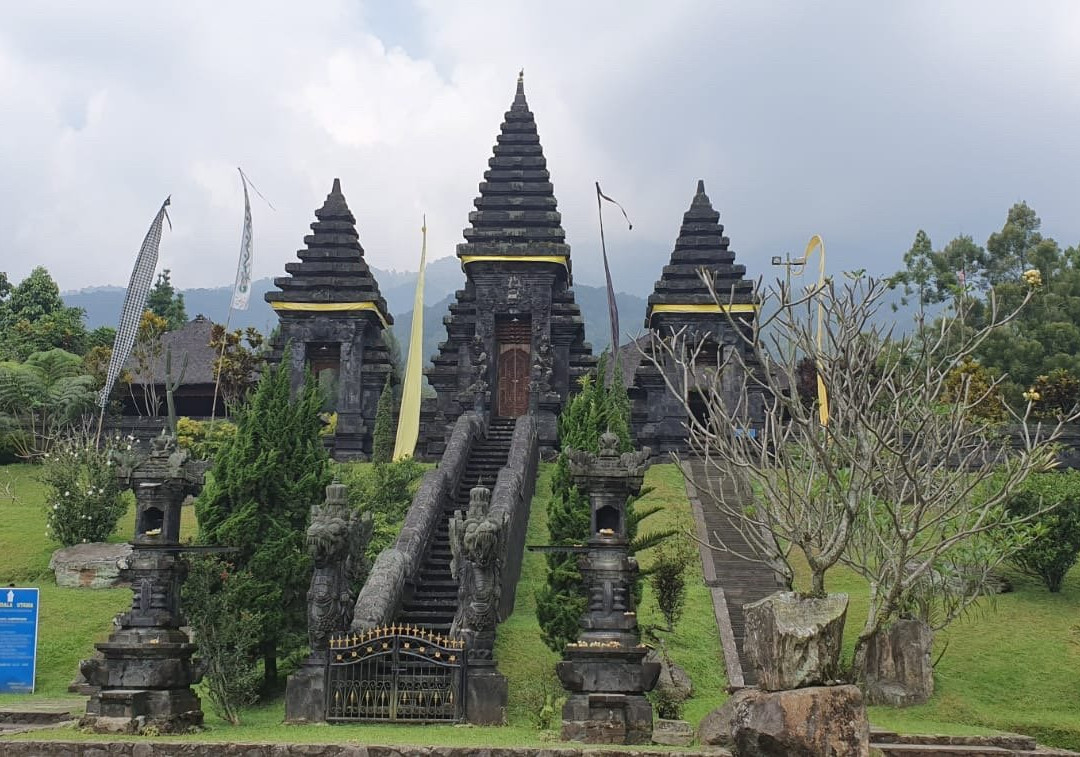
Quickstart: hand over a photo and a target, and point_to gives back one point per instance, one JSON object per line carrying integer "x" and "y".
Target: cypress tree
{"x": 383, "y": 438}
{"x": 257, "y": 500}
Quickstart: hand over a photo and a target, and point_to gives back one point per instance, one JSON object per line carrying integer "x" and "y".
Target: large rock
{"x": 898, "y": 667}
{"x": 89, "y": 566}
{"x": 793, "y": 641}
{"x": 715, "y": 728}
{"x": 673, "y": 687}
{"x": 818, "y": 721}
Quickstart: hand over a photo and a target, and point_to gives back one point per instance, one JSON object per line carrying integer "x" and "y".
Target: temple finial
{"x": 701, "y": 186}
{"x": 337, "y": 187}
{"x": 519, "y": 96}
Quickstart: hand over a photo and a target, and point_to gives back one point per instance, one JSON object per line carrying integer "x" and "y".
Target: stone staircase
{"x": 741, "y": 581}
{"x": 431, "y": 602}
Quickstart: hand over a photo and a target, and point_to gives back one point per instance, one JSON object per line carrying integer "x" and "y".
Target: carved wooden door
{"x": 513, "y": 380}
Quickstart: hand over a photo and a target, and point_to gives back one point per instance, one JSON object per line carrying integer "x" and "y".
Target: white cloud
{"x": 860, "y": 122}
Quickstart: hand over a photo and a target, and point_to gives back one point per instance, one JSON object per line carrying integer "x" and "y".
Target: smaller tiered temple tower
{"x": 332, "y": 319}
{"x": 515, "y": 336}
{"x": 681, "y": 300}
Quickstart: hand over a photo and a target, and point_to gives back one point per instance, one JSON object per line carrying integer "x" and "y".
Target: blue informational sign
{"x": 18, "y": 640}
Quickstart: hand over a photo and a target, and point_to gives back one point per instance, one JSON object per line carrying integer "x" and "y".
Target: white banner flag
{"x": 242, "y": 290}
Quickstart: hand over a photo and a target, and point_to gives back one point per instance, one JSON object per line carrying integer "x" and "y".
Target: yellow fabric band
{"x": 559, "y": 259}
{"x": 710, "y": 308}
{"x": 330, "y": 307}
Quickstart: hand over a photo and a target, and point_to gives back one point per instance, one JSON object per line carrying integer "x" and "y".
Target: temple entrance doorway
{"x": 324, "y": 361}
{"x": 514, "y": 340}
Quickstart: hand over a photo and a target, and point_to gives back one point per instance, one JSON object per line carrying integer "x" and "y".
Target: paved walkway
{"x": 733, "y": 581}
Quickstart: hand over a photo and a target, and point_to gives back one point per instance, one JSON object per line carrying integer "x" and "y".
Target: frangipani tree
{"x": 900, "y": 485}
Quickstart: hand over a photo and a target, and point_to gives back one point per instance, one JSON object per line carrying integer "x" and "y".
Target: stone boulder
{"x": 809, "y": 722}
{"x": 715, "y": 728}
{"x": 898, "y": 667}
{"x": 793, "y": 641}
{"x": 89, "y": 566}
{"x": 672, "y": 732}
{"x": 673, "y": 686}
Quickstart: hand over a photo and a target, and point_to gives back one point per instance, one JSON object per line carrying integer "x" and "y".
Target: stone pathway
{"x": 733, "y": 581}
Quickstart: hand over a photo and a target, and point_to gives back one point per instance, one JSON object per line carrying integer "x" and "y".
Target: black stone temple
{"x": 332, "y": 319}
{"x": 515, "y": 336}
{"x": 681, "y": 300}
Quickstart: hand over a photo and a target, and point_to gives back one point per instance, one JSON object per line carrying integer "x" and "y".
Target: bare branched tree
{"x": 901, "y": 486}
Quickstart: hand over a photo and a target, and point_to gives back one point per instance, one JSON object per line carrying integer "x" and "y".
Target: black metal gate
{"x": 395, "y": 674}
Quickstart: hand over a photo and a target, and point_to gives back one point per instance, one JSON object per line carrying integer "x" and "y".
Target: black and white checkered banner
{"x": 142, "y": 275}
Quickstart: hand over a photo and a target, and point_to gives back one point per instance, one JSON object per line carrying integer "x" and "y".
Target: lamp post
{"x": 815, "y": 244}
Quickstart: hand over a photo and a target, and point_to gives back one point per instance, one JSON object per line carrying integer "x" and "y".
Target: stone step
{"x": 44, "y": 712}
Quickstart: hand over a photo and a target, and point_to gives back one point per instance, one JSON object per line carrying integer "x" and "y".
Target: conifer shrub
{"x": 257, "y": 500}
{"x": 383, "y": 437}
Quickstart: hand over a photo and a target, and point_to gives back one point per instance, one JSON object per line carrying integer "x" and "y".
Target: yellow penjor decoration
{"x": 408, "y": 429}
{"x": 816, "y": 243}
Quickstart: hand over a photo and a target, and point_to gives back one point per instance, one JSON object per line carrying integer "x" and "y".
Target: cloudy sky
{"x": 859, "y": 121}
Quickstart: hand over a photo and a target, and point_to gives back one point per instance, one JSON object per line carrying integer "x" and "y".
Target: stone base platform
{"x": 607, "y": 719}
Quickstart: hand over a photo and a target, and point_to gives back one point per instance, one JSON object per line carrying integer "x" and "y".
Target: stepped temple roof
{"x": 332, "y": 275}
{"x": 516, "y": 213}
{"x": 701, "y": 244}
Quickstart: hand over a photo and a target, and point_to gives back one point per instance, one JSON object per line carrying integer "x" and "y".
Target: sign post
{"x": 18, "y": 640}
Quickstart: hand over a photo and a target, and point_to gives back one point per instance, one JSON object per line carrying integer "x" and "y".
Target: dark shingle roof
{"x": 192, "y": 340}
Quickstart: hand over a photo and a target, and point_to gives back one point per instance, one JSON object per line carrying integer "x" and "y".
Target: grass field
{"x": 1011, "y": 666}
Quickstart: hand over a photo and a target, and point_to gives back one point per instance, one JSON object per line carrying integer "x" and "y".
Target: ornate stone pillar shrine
{"x": 605, "y": 670}
{"x": 681, "y": 300}
{"x": 147, "y": 670}
{"x": 515, "y": 336}
{"x": 332, "y": 318}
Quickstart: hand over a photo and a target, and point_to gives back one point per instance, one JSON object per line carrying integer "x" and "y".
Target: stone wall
{"x": 193, "y": 749}
{"x": 382, "y": 593}
{"x": 512, "y": 497}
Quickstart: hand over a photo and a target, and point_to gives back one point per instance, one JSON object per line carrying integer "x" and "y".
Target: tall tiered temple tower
{"x": 515, "y": 336}
{"x": 332, "y": 317}
{"x": 682, "y": 300}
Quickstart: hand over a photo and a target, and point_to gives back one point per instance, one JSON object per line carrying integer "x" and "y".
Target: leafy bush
{"x": 212, "y": 594}
{"x": 386, "y": 491}
{"x": 1050, "y": 555}
{"x": 667, "y": 575}
{"x": 83, "y": 500}
{"x": 42, "y": 399}
{"x": 1057, "y": 393}
{"x": 203, "y": 439}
